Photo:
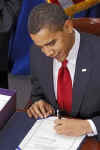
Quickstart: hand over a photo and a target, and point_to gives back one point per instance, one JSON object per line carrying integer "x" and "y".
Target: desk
{"x": 91, "y": 144}
{"x": 18, "y": 126}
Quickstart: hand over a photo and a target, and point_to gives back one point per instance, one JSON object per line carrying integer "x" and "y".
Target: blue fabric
{"x": 21, "y": 42}
{"x": 95, "y": 11}
{"x": 91, "y": 12}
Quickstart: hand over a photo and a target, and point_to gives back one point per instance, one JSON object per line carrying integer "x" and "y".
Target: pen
{"x": 58, "y": 114}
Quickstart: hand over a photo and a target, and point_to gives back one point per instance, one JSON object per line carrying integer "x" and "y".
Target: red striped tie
{"x": 64, "y": 88}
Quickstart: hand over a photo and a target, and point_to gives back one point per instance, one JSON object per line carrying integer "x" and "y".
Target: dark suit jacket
{"x": 9, "y": 10}
{"x": 86, "y": 87}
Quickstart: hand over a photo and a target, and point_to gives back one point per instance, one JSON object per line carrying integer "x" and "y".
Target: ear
{"x": 32, "y": 36}
{"x": 68, "y": 26}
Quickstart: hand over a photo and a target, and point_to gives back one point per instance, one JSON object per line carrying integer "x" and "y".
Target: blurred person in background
{"x": 21, "y": 42}
{"x": 9, "y": 10}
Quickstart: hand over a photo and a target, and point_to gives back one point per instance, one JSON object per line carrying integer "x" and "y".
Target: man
{"x": 9, "y": 10}
{"x": 51, "y": 30}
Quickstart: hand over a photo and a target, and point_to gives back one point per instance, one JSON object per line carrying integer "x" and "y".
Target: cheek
{"x": 65, "y": 43}
{"x": 44, "y": 50}
{"x": 59, "y": 46}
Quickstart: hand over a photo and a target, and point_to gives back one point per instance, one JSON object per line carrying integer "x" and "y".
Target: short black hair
{"x": 47, "y": 15}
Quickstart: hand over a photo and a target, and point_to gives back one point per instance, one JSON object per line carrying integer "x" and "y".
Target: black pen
{"x": 58, "y": 114}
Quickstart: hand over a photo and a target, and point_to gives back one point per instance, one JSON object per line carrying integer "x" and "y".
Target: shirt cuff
{"x": 93, "y": 128}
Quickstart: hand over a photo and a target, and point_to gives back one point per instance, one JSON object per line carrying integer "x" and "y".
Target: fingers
{"x": 29, "y": 113}
{"x": 40, "y": 109}
{"x": 43, "y": 111}
{"x": 32, "y": 113}
{"x": 59, "y": 121}
{"x": 71, "y": 127}
{"x": 58, "y": 129}
{"x": 68, "y": 132}
{"x": 49, "y": 110}
{"x": 61, "y": 129}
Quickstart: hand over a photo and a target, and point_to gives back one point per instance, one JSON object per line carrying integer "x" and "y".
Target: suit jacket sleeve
{"x": 9, "y": 10}
{"x": 37, "y": 91}
{"x": 96, "y": 121}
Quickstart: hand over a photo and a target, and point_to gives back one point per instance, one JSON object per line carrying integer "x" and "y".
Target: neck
{"x": 72, "y": 39}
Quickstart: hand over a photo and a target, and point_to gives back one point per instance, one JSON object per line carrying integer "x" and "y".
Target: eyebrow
{"x": 51, "y": 42}
{"x": 47, "y": 44}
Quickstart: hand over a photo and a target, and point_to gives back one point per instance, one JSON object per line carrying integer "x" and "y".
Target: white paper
{"x": 42, "y": 136}
{"x": 4, "y": 100}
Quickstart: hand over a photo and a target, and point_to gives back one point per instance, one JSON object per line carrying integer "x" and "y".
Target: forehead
{"x": 44, "y": 36}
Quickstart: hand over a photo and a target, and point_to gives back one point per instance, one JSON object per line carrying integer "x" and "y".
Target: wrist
{"x": 87, "y": 127}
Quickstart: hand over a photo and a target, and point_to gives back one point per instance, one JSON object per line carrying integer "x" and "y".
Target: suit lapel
{"x": 82, "y": 74}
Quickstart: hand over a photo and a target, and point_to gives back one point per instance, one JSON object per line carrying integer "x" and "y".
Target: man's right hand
{"x": 40, "y": 109}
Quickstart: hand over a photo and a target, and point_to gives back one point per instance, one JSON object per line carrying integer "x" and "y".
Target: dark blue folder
{"x": 15, "y": 130}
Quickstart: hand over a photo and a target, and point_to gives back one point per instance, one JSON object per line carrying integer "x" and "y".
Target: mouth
{"x": 60, "y": 57}
{"x": 57, "y": 56}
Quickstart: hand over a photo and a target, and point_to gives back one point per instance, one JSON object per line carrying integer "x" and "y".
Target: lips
{"x": 57, "y": 56}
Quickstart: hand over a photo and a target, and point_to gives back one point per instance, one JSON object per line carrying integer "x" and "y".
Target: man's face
{"x": 54, "y": 44}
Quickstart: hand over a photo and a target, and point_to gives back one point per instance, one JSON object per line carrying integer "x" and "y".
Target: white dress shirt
{"x": 71, "y": 58}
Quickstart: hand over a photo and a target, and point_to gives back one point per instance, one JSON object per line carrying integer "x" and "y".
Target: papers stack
{"x": 7, "y": 105}
{"x": 4, "y": 99}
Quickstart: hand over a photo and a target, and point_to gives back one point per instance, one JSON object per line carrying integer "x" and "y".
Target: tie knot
{"x": 64, "y": 63}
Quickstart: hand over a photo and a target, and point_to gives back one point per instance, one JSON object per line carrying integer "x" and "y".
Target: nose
{"x": 48, "y": 52}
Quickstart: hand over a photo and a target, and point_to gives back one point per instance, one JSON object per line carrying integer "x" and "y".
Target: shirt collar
{"x": 72, "y": 56}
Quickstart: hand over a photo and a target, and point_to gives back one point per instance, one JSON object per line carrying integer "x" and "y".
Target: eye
{"x": 52, "y": 43}
{"x": 40, "y": 47}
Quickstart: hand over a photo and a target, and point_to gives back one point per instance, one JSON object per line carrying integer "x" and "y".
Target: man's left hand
{"x": 72, "y": 127}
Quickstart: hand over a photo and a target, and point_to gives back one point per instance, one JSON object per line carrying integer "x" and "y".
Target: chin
{"x": 58, "y": 59}
{"x": 62, "y": 59}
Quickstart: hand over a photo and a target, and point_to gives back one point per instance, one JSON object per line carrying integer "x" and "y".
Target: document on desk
{"x": 4, "y": 100}
{"x": 42, "y": 136}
